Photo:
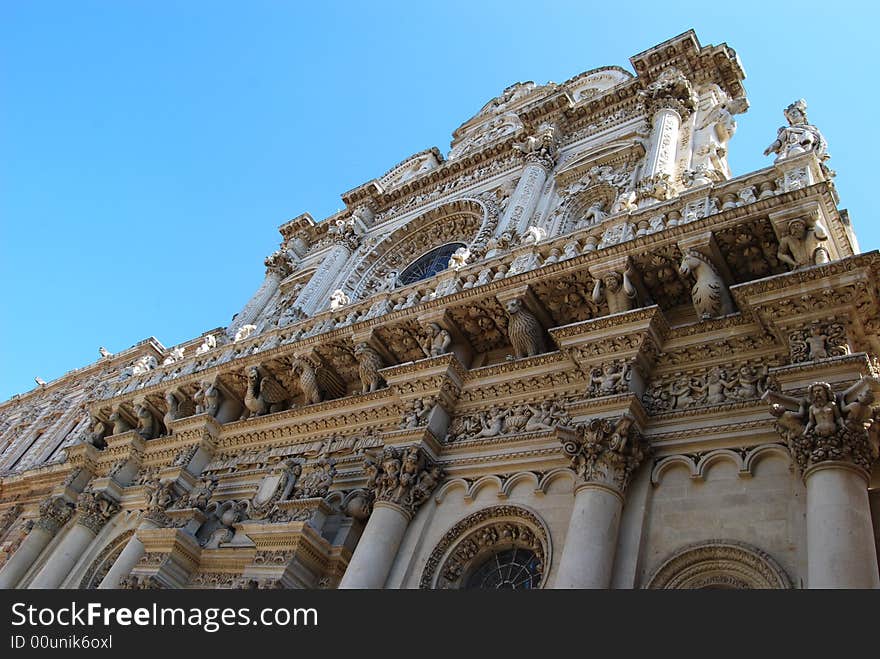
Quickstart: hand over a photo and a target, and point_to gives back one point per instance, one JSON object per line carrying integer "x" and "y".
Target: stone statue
{"x": 308, "y": 380}
{"x": 174, "y": 356}
{"x": 824, "y": 426}
{"x": 265, "y": 395}
{"x": 710, "y": 295}
{"x": 625, "y": 203}
{"x": 244, "y": 332}
{"x": 144, "y": 364}
{"x": 437, "y": 341}
{"x": 147, "y": 427}
{"x": 798, "y": 137}
{"x": 620, "y": 294}
{"x": 369, "y": 363}
{"x": 498, "y": 244}
{"x": 104, "y": 352}
{"x": 96, "y": 436}
{"x": 524, "y": 331}
{"x": 173, "y": 413}
{"x": 208, "y": 343}
{"x": 593, "y": 215}
{"x": 207, "y": 398}
{"x": 802, "y": 246}
{"x": 459, "y": 258}
{"x": 533, "y": 235}
{"x": 120, "y": 425}
{"x": 338, "y": 299}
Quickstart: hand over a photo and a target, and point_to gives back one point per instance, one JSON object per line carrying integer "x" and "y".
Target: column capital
{"x": 828, "y": 429}
{"x": 606, "y": 452}
{"x": 54, "y": 513}
{"x": 402, "y": 476}
{"x": 94, "y": 510}
{"x": 670, "y": 91}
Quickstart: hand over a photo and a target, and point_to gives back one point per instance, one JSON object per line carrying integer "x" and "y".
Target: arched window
{"x": 510, "y": 569}
{"x": 428, "y": 264}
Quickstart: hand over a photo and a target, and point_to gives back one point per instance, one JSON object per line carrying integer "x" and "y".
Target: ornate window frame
{"x": 468, "y": 220}
{"x": 719, "y": 564}
{"x": 470, "y": 541}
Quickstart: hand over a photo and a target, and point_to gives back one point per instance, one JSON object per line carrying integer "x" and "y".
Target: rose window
{"x": 428, "y": 264}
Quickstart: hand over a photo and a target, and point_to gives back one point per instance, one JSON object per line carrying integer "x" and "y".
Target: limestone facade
{"x": 574, "y": 352}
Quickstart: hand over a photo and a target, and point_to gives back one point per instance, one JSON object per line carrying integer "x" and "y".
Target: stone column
{"x": 666, "y": 126}
{"x": 276, "y": 269}
{"x": 54, "y": 514}
{"x": 127, "y": 559}
{"x": 828, "y": 437}
{"x": 315, "y": 292}
{"x": 540, "y": 158}
{"x": 841, "y": 552}
{"x": 93, "y": 511}
{"x": 604, "y": 455}
{"x": 669, "y": 101}
{"x": 400, "y": 482}
{"x": 375, "y": 553}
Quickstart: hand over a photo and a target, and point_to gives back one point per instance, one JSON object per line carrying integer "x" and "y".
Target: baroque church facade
{"x": 574, "y": 352}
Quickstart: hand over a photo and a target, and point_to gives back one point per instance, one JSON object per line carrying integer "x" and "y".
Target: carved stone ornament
{"x": 403, "y": 476}
{"x": 524, "y": 330}
{"x": 611, "y": 378}
{"x": 497, "y": 422}
{"x": 727, "y": 564}
{"x": 715, "y": 386}
{"x": 316, "y": 479}
{"x": 160, "y": 497}
{"x": 824, "y": 426}
{"x": 710, "y": 295}
{"x": 670, "y": 90}
{"x": 799, "y": 137}
{"x": 94, "y": 510}
{"x": 479, "y": 535}
{"x": 607, "y": 452}
{"x": 54, "y": 513}
{"x": 804, "y": 244}
{"x": 819, "y": 341}
{"x": 369, "y": 363}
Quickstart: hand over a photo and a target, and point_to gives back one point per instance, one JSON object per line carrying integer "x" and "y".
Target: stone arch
{"x": 479, "y": 535}
{"x": 469, "y": 220}
{"x": 104, "y": 561}
{"x": 575, "y": 207}
{"x": 719, "y": 564}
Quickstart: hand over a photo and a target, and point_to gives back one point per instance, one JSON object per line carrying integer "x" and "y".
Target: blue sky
{"x": 151, "y": 149}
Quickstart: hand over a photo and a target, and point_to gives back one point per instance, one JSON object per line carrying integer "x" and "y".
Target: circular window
{"x": 514, "y": 568}
{"x": 428, "y": 264}
{"x": 501, "y": 547}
